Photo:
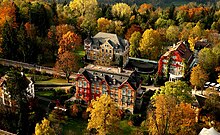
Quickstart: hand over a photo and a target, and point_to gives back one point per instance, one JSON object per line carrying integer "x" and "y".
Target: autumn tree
{"x": 105, "y": 25}
{"x": 144, "y": 8}
{"x": 168, "y": 117}
{"x": 8, "y": 13}
{"x": 121, "y": 11}
{"x": 197, "y": 31}
{"x": 150, "y": 44}
{"x": 178, "y": 89}
{"x": 218, "y": 80}
{"x": 134, "y": 44}
{"x": 83, "y": 7}
{"x": 207, "y": 59}
{"x": 131, "y": 30}
{"x": 67, "y": 63}
{"x": 198, "y": 77}
{"x": 69, "y": 42}
{"x": 103, "y": 115}
{"x": 172, "y": 33}
{"x": 44, "y": 128}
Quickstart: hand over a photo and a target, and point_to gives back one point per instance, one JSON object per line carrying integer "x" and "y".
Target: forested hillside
{"x": 161, "y": 3}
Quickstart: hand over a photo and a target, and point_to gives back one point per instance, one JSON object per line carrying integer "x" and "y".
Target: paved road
{"x": 2, "y": 132}
{"x": 48, "y": 70}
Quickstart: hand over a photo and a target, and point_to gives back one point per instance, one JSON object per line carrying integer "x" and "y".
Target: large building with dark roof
{"x": 122, "y": 85}
{"x": 107, "y": 49}
{"x": 175, "y": 63}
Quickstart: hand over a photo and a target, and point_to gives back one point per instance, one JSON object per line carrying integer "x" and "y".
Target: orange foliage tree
{"x": 7, "y": 13}
{"x": 131, "y": 30}
{"x": 168, "y": 117}
{"x": 67, "y": 63}
{"x": 69, "y": 42}
{"x": 144, "y": 8}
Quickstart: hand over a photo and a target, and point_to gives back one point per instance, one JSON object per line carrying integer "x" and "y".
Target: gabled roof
{"x": 183, "y": 50}
{"x": 111, "y": 75}
{"x": 102, "y": 37}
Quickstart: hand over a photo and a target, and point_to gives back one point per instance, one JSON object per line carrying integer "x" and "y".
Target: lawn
{"x": 46, "y": 94}
{"x": 127, "y": 129}
{"x": 75, "y": 127}
{"x": 53, "y": 81}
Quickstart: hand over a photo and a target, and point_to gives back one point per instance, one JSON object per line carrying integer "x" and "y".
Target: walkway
{"x": 48, "y": 70}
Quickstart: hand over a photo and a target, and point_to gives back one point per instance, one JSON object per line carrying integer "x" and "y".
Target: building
{"x": 93, "y": 81}
{"x": 107, "y": 49}
{"x": 5, "y": 97}
{"x": 176, "y": 62}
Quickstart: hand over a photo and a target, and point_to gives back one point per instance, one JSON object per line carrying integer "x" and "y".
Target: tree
{"x": 16, "y": 86}
{"x": 69, "y": 42}
{"x": 121, "y": 11}
{"x": 105, "y": 25}
{"x": 212, "y": 106}
{"x": 197, "y": 31}
{"x": 44, "y": 128}
{"x": 134, "y": 44}
{"x": 131, "y": 30}
{"x": 9, "y": 45}
{"x": 218, "y": 80}
{"x": 172, "y": 33}
{"x": 150, "y": 44}
{"x": 103, "y": 115}
{"x": 8, "y": 13}
{"x": 198, "y": 77}
{"x": 67, "y": 63}
{"x": 178, "y": 89}
{"x": 168, "y": 117}
{"x": 83, "y": 7}
{"x": 144, "y": 8}
{"x": 207, "y": 59}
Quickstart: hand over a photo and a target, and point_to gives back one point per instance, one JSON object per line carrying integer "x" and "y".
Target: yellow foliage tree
{"x": 44, "y": 128}
{"x": 218, "y": 80}
{"x": 168, "y": 117}
{"x": 104, "y": 115}
{"x": 172, "y": 33}
{"x": 150, "y": 44}
{"x": 83, "y": 7}
{"x": 198, "y": 76}
{"x": 121, "y": 10}
{"x": 104, "y": 25}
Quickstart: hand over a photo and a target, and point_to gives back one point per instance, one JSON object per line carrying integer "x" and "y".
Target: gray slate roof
{"x": 110, "y": 75}
{"x": 115, "y": 41}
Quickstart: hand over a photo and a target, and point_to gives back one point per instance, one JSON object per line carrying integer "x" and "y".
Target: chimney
{"x": 119, "y": 69}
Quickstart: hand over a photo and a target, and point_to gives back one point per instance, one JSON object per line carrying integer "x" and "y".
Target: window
{"x": 97, "y": 91}
{"x": 129, "y": 92}
{"x": 93, "y": 90}
{"x": 93, "y": 97}
{"x": 123, "y": 91}
{"x": 129, "y": 101}
{"x": 110, "y": 51}
{"x": 80, "y": 83}
{"x": 84, "y": 84}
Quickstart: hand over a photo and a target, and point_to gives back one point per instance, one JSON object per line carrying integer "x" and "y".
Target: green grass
{"x": 47, "y": 94}
{"x": 127, "y": 129}
{"x": 53, "y": 81}
{"x": 80, "y": 53}
{"x": 75, "y": 127}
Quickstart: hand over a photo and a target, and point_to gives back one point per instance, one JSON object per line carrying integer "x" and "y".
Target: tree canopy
{"x": 104, "y": 116}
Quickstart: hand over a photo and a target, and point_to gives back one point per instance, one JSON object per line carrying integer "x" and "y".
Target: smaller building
{"x": 176, "y": 62}
{"x": 122, "y": 85}
{"x": 5, "y": 97}
{"x": 107, "y": 49}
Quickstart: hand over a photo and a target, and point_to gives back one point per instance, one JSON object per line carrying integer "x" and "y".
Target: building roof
{"x": 201, "y": 44}
{"x": 183, "y": 50}
{"x": 112, "y": 75}
{"x": 102, "y": 37}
